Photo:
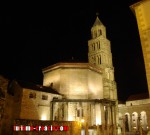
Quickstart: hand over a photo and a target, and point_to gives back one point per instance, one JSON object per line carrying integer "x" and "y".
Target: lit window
{"x": 44, "y": 97}
{"x": 32, "y": 95}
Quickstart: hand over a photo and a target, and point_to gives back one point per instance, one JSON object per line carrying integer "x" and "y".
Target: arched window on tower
{"x": 95, "y": 34}
{"x": 99, "y": 32}
{"x": 98, "y": 44}
{"x": 100, "y": 62}
{"x": 63, "y": 111}
{"x": 92, "y": 47}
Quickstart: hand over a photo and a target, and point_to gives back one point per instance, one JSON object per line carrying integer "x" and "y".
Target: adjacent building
{"x": 141, "y": 11}
{"x": 134, "y": 115}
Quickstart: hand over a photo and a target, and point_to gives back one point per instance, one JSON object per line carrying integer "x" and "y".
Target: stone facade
{"x": 37, "y": 108}
{"x": 142, "y": 10}
{"x": 75, "y": 80}
{"x": 134, "y": 114}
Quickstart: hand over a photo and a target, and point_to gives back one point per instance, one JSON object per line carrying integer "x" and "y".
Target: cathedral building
{"x": 88, "y": 89}
{"x": 84, "y": 92}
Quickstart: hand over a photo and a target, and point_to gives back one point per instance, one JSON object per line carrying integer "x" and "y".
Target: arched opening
{"x": 143, "y": 120}
{"x": 127, "y": 122}
{"x": 100, "y": 59}
{"x": 135, "y": 120}
{"x": 99, "y": 32}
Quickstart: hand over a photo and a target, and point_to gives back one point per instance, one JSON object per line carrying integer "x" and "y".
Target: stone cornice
{"x": 132, "y": 7}
{"x": 72, "y": 65}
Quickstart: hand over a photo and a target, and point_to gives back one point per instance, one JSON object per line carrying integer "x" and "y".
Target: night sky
{"x": 39, "y": 35}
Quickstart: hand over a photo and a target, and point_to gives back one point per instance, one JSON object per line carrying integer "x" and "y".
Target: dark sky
{"x": 38, "y": 35}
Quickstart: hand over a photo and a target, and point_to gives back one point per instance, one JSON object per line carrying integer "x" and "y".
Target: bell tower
{"x": 99, "y": 54}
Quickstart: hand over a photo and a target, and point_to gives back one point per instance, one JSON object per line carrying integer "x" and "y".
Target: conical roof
{"x": 97, "y": 22}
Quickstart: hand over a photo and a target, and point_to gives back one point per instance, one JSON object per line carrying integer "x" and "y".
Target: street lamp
{"x": 82, "y": 120}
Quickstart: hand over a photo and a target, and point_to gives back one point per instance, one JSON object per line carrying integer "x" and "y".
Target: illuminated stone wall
{"x": 75, "y": 81}
{"x": 137, "y": 107}
{"x": 142, "y": 10}
{"x": 36, "y": 108}
{"x": 12, "y": 109}
{"x": 137, "y": 112}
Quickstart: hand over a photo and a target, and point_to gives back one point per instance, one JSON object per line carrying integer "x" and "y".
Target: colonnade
{"x": 133, "y": 121}
{"x": 93, "y": 112}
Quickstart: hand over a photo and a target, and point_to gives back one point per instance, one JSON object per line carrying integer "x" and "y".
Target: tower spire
{"x": 97, "y": 21}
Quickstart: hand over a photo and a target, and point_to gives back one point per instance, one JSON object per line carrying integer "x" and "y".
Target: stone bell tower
{"x": 99, "y": 54}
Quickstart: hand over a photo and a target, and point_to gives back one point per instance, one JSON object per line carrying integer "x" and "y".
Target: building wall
{"x": 142, "y": 10}
{"x": 36, "y": 108}
{"x": 52, "y": 78}
{"x": 12, "y": 108}
{"x": 76, "y": 83}
{"x": 8, "y": 117}
{"x": 134, "y": 110}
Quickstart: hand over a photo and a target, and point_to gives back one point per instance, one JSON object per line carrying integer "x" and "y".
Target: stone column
{"x": 66, "y": 111}
{"x": 89, "y": 114}
{"x": 109, "y": 116}
{"x": 102, "y": 114}
{"x": 110, "y": 120}
{"x": 94, "y": 114}
{"x": 98, "y": 114}
{"x": 114, "y": 119}
{"x": 130, "y": 121}
{"x": 102, "y": 118}
{"x": 51, "y": 110}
